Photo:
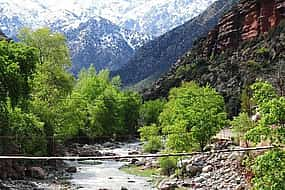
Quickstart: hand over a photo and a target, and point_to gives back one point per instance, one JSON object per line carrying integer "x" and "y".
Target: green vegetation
{"x": 191, "y": 117}
{"x": 138, "y": 171}
{"x": 43, "y": 104}
{"x": 242, "y": 124}
{"x": 268, "y": 169}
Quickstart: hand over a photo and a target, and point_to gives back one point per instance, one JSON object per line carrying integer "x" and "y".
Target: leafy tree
{"x": 272, "y": 110}
{"x": 269, "y": 168}
{"x": 98, "y": 108}
{"x": 51, "y": 81}
{"x": 150, "y": 110}
{"x": 151, "y": 135}
{"x": 241, "y": 125}
{"x": 269, "y": 171}
{"x": 17, "y": 66}
{"x": 28, "y": 132}
{"x": 192, "y": 116}
{"x": 18, "y": 63}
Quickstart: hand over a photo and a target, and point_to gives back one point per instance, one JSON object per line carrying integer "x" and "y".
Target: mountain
{"x": 155, "y": 17}
{"x": 101, "y": 43}
{"x": 117, "y": 27}
{"x": 92, "y": 39}
{"x": 156, "y": 56}
{"x": 151, "y": 17}
{"x": 248, "y": 43}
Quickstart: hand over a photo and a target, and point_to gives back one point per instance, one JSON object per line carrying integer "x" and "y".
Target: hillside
{"x": 156, "y": 56}
{"x": 248, "y": 43}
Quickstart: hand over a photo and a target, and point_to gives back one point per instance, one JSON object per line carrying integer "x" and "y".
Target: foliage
{"x": 98, "y": 108}
{"x": 150, "y": 110}
{"x": 192, "y": 116}
{"x": 242, "y": 124}
{"x": 151, "y": 136}
{"x": 272, "y": 110}
{"x": 168, "y": 165}
{"x": 263, "y": 92}
{"x": 269, "y": 168}
{"x": 18, "y": 62}
{"x": 51, "y": 81}
{"x": 28, "y": 131}
{"x": 269, "y": 171}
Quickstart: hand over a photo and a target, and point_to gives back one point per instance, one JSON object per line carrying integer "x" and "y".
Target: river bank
{"x": 199, "y": 172}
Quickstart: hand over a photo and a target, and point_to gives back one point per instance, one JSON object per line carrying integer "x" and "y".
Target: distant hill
{"x": 157, "y": 56}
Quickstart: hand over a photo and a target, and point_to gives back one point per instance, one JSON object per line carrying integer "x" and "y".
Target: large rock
{"x": 37, "y": 173}
{"x": 71, "y": 169}
{"x": 193, "y": 170}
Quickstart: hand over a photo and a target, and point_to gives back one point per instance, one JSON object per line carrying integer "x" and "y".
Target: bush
{"x": 28, "y": 131}
{"x": 168, "y": 165}
{"x": 153, "y": 145}
{"x": 152, "y": 138}
{"x": 269, "y": 171}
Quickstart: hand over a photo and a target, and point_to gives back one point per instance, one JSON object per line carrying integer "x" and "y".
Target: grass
{"x": 139, "y": 171}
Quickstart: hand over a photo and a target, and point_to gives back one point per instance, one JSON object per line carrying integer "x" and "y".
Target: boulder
{"x": 193, "y": 170}
{"x": 207, "y": 169}
{"x": 37, "y": 173}
{"x": 71, "y": 169}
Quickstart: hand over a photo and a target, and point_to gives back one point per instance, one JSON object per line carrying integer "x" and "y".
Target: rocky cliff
{"x": 248, "y": 43}
{"x": 247, "y": 20}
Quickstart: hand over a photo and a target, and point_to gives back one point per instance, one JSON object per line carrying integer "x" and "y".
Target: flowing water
{"x": 107, "y": 175}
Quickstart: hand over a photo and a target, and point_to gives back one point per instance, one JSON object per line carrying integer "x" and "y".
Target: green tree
{"x": 241, "y": 125}
{"x": 269, "y": 171}
{"x": 192, "y": 116}
{"x": 151, "y": 135}
{"x": 269, "y": 168}
{"x": 98, "y": 108}
{"x": 51, "y": 82}
{"x": 150, "y": 111}
{"x": 17, "y": 64}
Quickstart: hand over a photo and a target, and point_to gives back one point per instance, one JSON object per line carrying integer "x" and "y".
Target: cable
{"x": 76, "y": 158}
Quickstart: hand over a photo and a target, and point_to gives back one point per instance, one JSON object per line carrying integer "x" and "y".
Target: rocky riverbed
{"x": 200, "y": 172}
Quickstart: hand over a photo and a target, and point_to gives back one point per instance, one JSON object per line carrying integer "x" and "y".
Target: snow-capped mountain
{"x": 101, "y": 43}
{"x": 92, "y": 39}
{"x": 153, "y": 17}
{"x": 117, "y": 27}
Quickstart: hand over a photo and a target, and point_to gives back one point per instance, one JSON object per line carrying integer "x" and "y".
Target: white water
{"x": 107, "y": 175}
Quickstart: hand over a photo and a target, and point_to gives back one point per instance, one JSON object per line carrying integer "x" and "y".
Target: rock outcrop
{"x": 248, "y": 43}
{"x": 247, "y": 20}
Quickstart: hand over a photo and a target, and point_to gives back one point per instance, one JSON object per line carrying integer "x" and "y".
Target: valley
{"x": 142, "y": 95}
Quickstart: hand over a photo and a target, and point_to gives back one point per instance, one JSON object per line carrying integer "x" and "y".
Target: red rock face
{"x": 246, "y": 21}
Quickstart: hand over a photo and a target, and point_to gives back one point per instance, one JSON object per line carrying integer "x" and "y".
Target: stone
{"x": 193, "y": 170}
{"x": 37, "y": 172}
{"x": 134, "y": 160}
{"x": 207, "y": 169}
{"x": 140, "y": 163}
{"x": 71, "y": 169}
{"x": 199, "y": 179}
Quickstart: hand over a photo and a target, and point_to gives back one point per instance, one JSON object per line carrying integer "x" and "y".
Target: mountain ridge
{"x": 156, "y": 56}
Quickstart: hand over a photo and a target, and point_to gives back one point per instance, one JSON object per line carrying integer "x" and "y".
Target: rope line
{"x": 76, "y": 158}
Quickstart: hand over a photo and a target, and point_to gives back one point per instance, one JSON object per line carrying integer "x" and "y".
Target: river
{"x": 107, "y": 174}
